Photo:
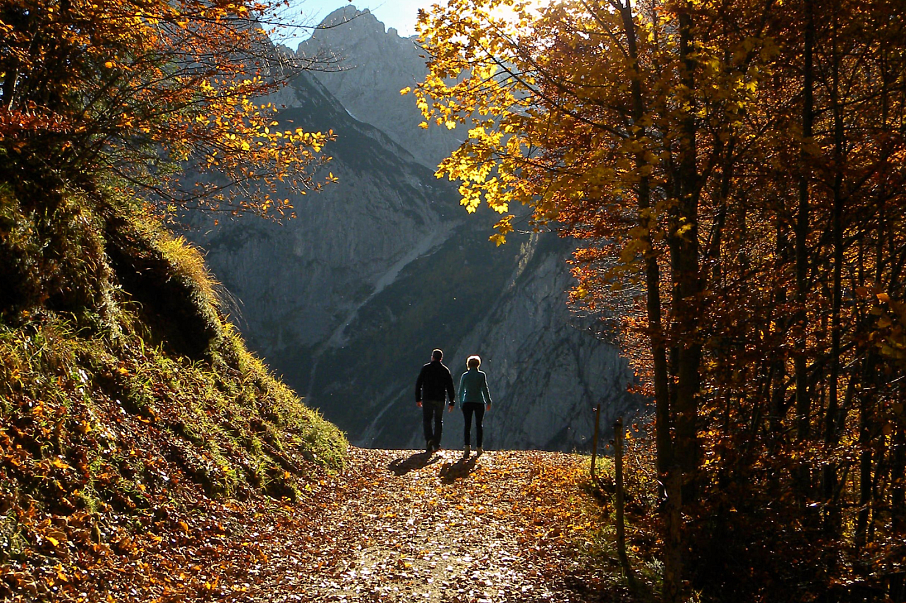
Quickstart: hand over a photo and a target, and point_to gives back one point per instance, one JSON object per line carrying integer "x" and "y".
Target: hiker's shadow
{"x": 419, "y": 460}
{"x": 450, "y": 472}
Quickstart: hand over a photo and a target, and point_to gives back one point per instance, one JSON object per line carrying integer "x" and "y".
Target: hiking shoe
{"x": 479, "y": 451}
{"x": 465, "y": 451}
{"x": 429, "y": 446}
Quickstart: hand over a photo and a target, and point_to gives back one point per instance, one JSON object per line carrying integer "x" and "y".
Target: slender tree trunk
{"x": 865, "y": 463}
{"x": 652, "y": 269}
{"x": 672, "y": 570}
{"x": 684, "y": 246}
{"x": 803, "y": 403}
{"x": 673, "y": 554}
{"x": 777, "y": 372}
{"x": 618, "y": 432}
{"x": 833, "y": 405}
{"x": 898, "y": 469}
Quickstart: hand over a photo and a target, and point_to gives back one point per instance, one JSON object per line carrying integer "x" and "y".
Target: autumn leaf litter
{"x": 395, "y": 525}
{"x": 400, "y": 525}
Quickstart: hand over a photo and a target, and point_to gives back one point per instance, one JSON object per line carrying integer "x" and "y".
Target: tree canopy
{"x": 738, "y": 168}
{"x": 151, "y": 94}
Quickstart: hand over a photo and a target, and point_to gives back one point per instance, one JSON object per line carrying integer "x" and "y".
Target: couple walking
{"x": 435, "y": 384}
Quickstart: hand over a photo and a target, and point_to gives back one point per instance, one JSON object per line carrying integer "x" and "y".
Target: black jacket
{"x": 434, "y": 381}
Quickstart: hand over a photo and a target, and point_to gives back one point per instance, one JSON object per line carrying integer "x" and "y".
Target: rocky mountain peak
{"x": 347, "y": 300}
{"x": 371, "y": 66}
{"x": 352, "y": 20}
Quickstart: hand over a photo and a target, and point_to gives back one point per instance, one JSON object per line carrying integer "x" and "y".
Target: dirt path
{"x": 400, "y": 525}
{"x": 397, "y": 526}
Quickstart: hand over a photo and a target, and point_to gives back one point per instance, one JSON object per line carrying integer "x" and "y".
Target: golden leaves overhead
{"x": 143, "y": 90}
{"x": 737, "y": 170}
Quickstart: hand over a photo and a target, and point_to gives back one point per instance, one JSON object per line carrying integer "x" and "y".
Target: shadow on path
{"x": 419, "y": 460}
{"x": 450, "y": 472}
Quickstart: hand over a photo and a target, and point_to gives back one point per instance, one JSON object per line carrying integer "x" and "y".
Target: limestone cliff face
{"x": 298, "y": 281}
{"x": 372, "y": 66}
{"x": 546, "y": 366}
{"x": 347, "y": 300}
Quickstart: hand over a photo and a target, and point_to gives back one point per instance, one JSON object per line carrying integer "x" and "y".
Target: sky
{"x": 400, "y": 14}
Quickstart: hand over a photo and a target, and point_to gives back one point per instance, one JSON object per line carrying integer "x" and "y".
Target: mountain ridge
{"x": 348, "y": 300}
{"x": 372, "y": 67}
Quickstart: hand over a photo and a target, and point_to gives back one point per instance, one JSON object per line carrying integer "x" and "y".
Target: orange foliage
{"x": 144, "y": 91}
{"x": 733, "y": 172}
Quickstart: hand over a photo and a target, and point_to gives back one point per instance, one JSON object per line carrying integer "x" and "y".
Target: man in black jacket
{"x": 434, "y": 383}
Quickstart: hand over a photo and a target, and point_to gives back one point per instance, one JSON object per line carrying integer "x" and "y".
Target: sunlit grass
{"x": 190, "y": 262}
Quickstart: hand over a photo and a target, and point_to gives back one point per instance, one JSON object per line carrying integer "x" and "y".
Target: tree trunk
{"x": 865, "y": 463}
{"x": 898, "y": 470}
{"x": 684, "y": 247}
{"x": 621, "y": 525}
{"x": 673, "y": 558}
{"x": 833, "y": 405}
{"x": 803, "y": 403}
{"x": 672, "y": 572}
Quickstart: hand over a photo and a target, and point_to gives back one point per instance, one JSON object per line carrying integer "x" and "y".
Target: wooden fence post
{"x": 619, "y": 503}
{"x": 594, "y": 446}
{"x": 673, "y": 557}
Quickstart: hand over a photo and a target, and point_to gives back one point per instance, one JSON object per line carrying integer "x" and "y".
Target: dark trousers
{"x": 468, "y": 409}
{"x": 433, "y": 420}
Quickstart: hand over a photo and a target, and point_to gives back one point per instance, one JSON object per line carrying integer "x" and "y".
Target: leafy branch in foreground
{"x": 155, "y": 94}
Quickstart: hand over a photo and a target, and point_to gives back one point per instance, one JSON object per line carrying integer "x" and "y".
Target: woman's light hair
{"x": 473, "y": 362}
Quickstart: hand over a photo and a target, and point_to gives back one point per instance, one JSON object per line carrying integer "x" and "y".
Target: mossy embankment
{"x": 125, "y": 395}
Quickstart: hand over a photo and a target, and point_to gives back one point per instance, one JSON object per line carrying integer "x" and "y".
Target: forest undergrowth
{"x": 128, "y": 404}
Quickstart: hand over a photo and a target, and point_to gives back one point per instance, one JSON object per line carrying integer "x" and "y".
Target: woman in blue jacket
{"x": 474, "y": 399}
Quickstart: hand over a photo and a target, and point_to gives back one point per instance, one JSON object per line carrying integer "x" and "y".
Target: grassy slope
{"x": 125, "y": 396}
